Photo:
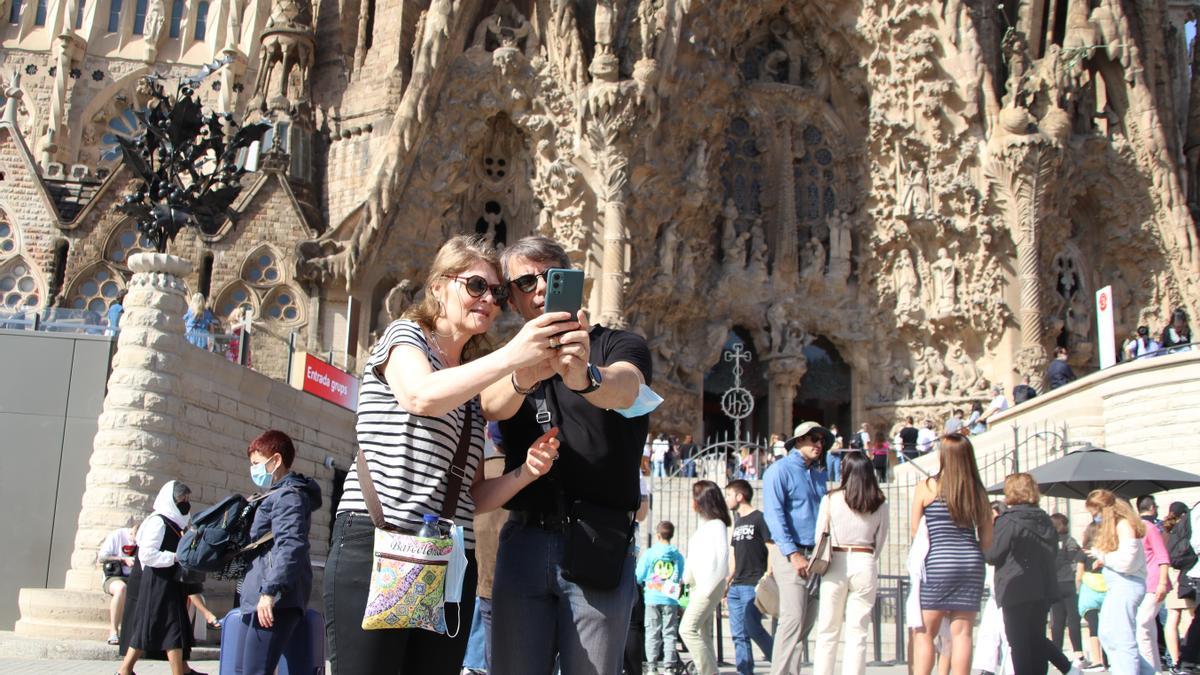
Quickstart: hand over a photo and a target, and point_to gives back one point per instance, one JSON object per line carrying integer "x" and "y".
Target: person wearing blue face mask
{"x": 279, "y": 581}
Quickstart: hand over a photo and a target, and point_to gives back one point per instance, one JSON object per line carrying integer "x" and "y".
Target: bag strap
{"x": 546, "y": 421}
{"x": 454, "y": 483}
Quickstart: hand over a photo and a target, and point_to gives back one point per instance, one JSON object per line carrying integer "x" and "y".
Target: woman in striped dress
{"x": 955, "y": 507}
{"x": 419, "y": 390}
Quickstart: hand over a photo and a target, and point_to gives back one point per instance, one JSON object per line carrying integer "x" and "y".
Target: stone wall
{"x": 173, "y": 411}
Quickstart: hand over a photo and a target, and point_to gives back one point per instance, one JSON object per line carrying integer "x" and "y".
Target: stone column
{"x": 785, "y": 262}
{"x": 1022, "y": 167}
{"x": 609, "y": 156}
{"x": 134, "y": 452}
{"x": 784, "y": 373}
{"x": 135, "y": 447}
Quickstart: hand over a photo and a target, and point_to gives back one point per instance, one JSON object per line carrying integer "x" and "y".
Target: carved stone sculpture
{"x": 945, "y": 292}
{"x": 907, "y": 285}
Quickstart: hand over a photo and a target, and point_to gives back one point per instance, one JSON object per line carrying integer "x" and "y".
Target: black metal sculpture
{"x": 187, "y": 160}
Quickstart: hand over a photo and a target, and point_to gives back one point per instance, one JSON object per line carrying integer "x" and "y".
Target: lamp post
{"x": 188, "y": 162}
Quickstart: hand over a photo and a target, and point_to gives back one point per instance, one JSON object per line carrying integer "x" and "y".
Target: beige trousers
{"x": 847, "y": 597}
{"x": 696, "y": 629}
{"x": 797, "y": 614}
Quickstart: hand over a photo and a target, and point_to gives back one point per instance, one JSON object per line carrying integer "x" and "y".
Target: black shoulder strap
{"x": 546, "y": 421}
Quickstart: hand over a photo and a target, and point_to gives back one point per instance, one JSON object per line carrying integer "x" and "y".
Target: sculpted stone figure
{"x": 606, "y": 26}
{"x": 814, "y": 259}
{"x": 904, "y": 277}
{"x": 945, "y": 294}
{"x": 153, "y": 28}
{"x": 839, "y": 247}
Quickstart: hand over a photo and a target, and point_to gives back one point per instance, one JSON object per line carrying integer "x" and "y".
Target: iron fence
{"x": 1021, "y": 449}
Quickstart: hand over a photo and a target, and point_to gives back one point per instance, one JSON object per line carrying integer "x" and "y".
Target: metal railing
{"x": 57, "y": 320}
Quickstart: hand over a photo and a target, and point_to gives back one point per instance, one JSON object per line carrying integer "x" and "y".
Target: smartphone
{"x": 564, "y": 291}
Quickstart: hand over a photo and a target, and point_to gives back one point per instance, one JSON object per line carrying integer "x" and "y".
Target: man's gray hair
{"x": 535, "y": 248}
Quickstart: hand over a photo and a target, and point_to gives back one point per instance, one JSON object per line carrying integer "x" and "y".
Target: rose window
{"x": 18, "y": 286}
{"x": 97, "y": 292}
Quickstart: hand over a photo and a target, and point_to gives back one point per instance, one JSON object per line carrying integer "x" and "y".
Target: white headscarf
{"x": 164, "y": 505}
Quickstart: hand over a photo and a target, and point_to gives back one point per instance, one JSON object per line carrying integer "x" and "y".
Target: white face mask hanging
{"x": 456, "y": 571}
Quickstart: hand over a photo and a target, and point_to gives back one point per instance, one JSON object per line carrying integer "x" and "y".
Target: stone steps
{"x": 63, "y": 614}
{"x": 14, "y": 646}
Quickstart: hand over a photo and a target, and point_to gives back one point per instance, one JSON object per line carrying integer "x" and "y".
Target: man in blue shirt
{"x": 792, "y": 491}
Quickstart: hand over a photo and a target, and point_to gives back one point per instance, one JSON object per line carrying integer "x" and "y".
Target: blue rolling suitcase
{"x": 305, "y": 655}
{"x": 232, "y": 628}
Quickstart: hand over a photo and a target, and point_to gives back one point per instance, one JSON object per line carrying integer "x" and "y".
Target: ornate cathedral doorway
{"x": 824, "y": 392}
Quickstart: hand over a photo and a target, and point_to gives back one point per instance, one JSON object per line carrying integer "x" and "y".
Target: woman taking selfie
{"x": 417, "y": 405}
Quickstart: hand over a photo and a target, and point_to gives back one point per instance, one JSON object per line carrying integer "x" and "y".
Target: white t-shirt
{"x": 999, "y": 404}
{"x": 925, "y": 439}
{"x": 779, "y": 449}
{"x": 658, "y": 449}
{"x": 113, "y": 543}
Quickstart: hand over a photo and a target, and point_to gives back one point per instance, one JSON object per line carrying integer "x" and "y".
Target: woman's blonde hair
{"x": 454, "y": 257}
{"x": 197, "y": 303}
{"x": 959, "y": 484}
{"x": 1020, "y": 488}
{"x": 1113, "y": 510}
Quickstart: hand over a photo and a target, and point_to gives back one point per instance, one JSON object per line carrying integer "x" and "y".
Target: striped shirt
{"x": 409, "y": 456}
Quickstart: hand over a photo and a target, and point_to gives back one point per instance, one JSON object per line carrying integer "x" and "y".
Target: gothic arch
{"x": 284, "y": 304}
{"x": 123, "y": 241}
{"x": 21, "y": 285}
{"x": 93, "y": 122}
{"x": 263, "y": 267}
{"x": 235, "y": 294}
{"x": 95, "y": 287}
{"x": 10, "y": 235}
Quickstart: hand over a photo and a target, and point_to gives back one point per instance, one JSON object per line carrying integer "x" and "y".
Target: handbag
{"x": 408, "y": 579}
{"x": 818, "y": 562}
{"x": 766, "y": 595}
{"x": 597, "y": 537}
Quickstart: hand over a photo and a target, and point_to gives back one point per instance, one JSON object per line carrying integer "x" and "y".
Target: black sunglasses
{"x": 476, "y": 286}
{"x": 527, "y": 282}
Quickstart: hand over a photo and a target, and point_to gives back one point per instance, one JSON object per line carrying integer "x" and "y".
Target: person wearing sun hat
{"x": 792, "y": 492}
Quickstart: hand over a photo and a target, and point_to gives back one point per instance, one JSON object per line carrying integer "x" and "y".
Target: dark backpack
{"x": 219, "y": 534}
{"x": 1179, "y": 545}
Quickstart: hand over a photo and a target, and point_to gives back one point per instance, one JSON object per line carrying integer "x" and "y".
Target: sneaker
{"x": 114, "y": 639}
{"x": 1092, "y": 667}
{"x": 1076, "y": 668}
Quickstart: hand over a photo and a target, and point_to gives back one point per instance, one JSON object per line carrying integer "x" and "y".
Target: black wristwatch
{"x": 594, "y": 380}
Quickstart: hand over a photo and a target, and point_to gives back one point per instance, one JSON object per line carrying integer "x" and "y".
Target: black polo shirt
{"x": 600, "y": 451}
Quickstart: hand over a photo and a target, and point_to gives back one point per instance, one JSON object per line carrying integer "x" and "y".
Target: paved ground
{"x": 57, "y": 667}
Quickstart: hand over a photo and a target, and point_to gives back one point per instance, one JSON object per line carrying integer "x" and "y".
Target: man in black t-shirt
{"x": 537, "y": 614}
{"x": 747, "y": 565}
{"x": 908, "y": 438}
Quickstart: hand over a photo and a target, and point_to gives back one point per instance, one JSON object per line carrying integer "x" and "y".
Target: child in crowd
{"x": 660, "y": 569}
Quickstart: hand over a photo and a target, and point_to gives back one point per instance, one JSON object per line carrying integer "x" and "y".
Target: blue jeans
{"x": 262, "y": 647}
{"x": 835, "y": 467}
{"x": 476, "y": 658}
{"x": 660, "y": 469}
{"x": 1118, "y": 621}
{"x": 537, "y": 614}
{"x": 745, "y": 624}
{"x": 689, "y": 468}
{"x": 662, "y": 633}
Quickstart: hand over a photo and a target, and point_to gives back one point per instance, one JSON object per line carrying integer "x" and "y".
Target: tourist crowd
{"x": 426, "y": 574}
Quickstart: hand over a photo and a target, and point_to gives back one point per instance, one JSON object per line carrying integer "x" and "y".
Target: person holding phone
{"x": 539, "y": 613}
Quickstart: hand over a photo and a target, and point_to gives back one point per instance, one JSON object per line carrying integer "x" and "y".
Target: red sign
{"x": 324, "y": 381}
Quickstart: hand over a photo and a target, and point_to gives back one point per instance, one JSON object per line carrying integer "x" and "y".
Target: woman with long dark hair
{"x": 955, "y": 507}
{"x": 704, "y": 570}
{"x": 857, "y": 514}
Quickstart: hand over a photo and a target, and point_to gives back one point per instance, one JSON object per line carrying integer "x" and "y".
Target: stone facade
{"x": 933, "y": 189}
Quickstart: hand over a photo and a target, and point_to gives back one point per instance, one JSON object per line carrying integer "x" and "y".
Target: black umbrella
{"x": 1078, "y": 473}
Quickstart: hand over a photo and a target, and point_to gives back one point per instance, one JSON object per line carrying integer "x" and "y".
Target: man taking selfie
{"x": 555, "y": 592}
